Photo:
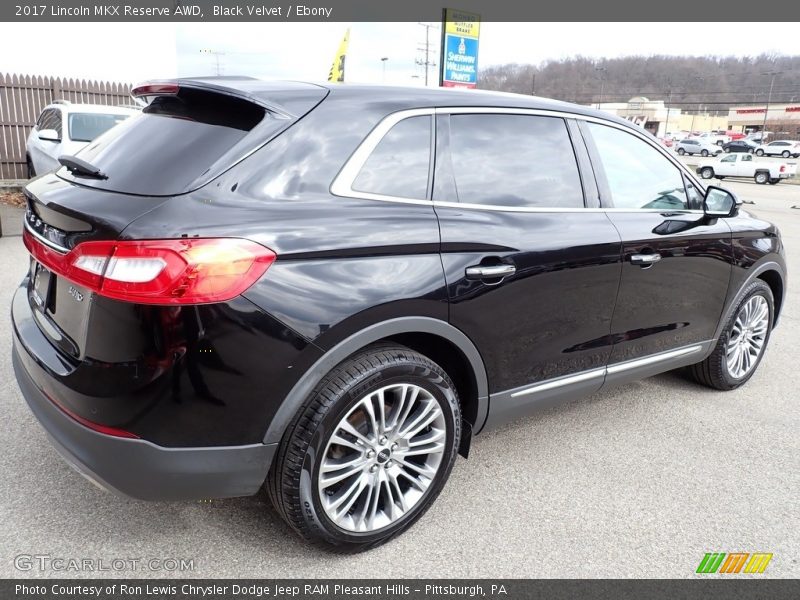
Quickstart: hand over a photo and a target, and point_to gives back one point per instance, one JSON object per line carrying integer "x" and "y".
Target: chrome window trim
{"x": 619, "y": 367}
{"x": 343, "y": 182}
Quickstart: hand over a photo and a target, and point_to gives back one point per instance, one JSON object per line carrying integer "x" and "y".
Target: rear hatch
{"x": 190, "y": 132}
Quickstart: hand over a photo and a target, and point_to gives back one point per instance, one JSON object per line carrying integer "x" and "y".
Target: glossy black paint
{"x": 216, "y": 375}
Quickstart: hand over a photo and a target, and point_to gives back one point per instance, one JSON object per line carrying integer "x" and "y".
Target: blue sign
{"x": 460, "y": 61}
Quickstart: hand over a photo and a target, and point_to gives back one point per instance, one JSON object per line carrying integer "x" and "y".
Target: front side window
{"x": 514, "y": 160}
{"x": 638, "y": 175}
{"x": 398, "y": 166}
{"x": 731, "y": 158}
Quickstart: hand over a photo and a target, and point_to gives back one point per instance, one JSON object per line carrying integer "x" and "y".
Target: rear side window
{"x": 84, "y": 127}
{"x": 399, "y": 164}
{"x": 514, "y": 160}
{"x": 638, "y": 175}
{"x": 50, "y": 119}
{"x": 174, "y": 145}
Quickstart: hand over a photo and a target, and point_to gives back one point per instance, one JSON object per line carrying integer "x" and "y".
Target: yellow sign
{"x": 337, "y": 69}
{"x": 462, "y": 23}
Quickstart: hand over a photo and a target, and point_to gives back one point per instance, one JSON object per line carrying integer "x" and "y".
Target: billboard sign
{"x": 460, "y": 35}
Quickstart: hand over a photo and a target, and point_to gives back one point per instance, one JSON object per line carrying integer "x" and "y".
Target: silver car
{"x": 697, "y": 146}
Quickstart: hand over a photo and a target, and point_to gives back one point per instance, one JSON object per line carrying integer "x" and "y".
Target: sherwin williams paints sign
{"x": 460, "y": 35}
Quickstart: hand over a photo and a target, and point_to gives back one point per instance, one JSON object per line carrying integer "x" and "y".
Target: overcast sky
{"x": 137, "y": 51}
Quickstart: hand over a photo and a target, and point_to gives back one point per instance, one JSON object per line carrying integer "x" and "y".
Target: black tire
{"x": 713, "y": 371}
{"x": 750, "y": 151}
{"x": 759, "y": 152}
{"x": 761, "y": 177}
{"x": 774, "y": 181}
{"x": 707, "y": 173}
{"x": 681, "y": 151}
{"x": 726, "y": 149}
{"x": 786, "y": 154}
{"x": 31, "y": 170}
{"x": 704, "y": 153}
{"x": 292, "y": 483}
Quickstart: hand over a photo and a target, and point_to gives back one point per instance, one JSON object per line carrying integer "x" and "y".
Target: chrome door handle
{"x": 645, "y": 260}
{"x": 490, "y": 271}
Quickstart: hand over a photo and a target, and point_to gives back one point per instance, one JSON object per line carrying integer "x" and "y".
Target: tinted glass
{"x": 84, "y": 127}
{"x": 514, "y": 160}
{"x": 399, "y": 164}
{"x": 172, "y": 147}
{"x": 638, "y": 175}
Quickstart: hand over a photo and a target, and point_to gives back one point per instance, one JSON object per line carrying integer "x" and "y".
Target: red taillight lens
{"x": 155, "y": 89}
{"x": 185, "y": 271}
{"x": 783, "y": 168}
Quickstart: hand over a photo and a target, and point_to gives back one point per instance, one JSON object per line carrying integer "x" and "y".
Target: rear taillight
{"x": 184, "y": 271}
{"x": 783, "y": 168}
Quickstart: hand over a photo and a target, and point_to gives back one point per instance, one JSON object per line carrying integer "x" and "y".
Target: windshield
{"x": 84, "y": 127}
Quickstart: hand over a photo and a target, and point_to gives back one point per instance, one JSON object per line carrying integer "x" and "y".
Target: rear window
{"x": 176, "y": 145}
{"x": 85, "y": 127}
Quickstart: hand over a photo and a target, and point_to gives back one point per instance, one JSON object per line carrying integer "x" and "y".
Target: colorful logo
{"x": 734, "y": 562}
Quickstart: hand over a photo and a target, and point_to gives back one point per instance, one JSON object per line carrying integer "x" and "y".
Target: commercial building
{"x": 659, "y": 119}
{"x": 783, "y": 120}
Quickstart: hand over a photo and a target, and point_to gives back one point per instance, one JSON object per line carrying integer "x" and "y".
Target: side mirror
{"x": 49, "y": 135}
{"x": 720, "y": 202}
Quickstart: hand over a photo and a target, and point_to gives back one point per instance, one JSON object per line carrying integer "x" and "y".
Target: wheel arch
{"x": 437, "y": 339}
{"x": 774, "y": 275}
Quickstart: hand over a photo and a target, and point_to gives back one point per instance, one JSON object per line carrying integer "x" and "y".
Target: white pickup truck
{"x": 743, "y": 165}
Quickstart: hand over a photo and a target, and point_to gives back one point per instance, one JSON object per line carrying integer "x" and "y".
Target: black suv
{"x": 328, "y": 290}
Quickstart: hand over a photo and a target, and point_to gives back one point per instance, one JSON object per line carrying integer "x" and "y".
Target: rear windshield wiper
{"x": 81, "y": 167}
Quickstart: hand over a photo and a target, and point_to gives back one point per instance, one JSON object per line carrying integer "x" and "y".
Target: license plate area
{"x": 60, "y": 307}
{"x": 42, "y": 279}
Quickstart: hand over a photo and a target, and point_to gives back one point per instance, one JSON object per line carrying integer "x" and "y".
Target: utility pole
{"x": 427, "y": 62}
{"x": 533, "y": 84}
{"x": 603, "y": 70}
{"x": 216, "y": 56}
{"x": 769, "y": 98}
{"x": 669, "y": 107}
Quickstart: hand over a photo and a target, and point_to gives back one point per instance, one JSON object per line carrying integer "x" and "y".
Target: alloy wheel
{"x": 747, "y": 337}
{"x": 381, "y": 458}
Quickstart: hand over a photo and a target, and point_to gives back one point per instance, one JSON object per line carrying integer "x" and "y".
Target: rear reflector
{"x": 115, "y": 431}
{"x": 184, "y": 271}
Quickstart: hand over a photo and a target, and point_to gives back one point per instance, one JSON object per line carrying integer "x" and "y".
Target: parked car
{"x": 715, "y": 138}
{"x": 697, "y": 146}
{"x": 740, "y": 146}
{"x": 784, "y": 148}
{"x": 759, "y": 137}
{"x": 666, "y": 142}
{"x": 293, "y": 285}
{"x": 735, "y": 135}
{"x": 736, "y": 165}
{"x": 66, "y": 128}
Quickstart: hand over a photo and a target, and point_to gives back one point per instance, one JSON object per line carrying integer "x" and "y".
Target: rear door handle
{"x": 490, "y": 271}
{"x": 645, "y": 260}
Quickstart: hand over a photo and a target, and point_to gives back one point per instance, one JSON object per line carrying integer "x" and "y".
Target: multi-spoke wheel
{"x": 743, "y": 341}
{"x": 382, "y": 457}
{"x": 748, "y": 336}
{"x": 370, "y": 450}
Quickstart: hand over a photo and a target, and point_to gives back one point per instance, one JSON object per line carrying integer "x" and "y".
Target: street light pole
{"x": 383, "y": 62}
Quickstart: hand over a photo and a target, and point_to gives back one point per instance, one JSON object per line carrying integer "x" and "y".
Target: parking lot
{"x": 638, "y": 481}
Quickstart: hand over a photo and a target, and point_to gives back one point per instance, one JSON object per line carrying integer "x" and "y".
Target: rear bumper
{"x": 135, "y": 467}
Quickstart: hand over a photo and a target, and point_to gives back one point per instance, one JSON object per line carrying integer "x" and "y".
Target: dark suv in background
{"x": 330, "y": 289}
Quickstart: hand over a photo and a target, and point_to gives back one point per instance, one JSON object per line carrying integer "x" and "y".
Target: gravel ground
{"x": 638, "y": 481}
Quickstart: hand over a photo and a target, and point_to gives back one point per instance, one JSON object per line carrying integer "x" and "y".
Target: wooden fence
{"x": 22, "y": 98}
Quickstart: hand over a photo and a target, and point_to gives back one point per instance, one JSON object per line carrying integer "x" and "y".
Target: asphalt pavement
{"x": 637, "y": 481}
